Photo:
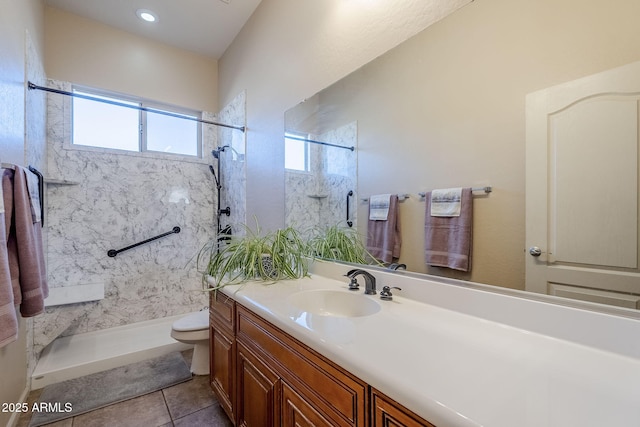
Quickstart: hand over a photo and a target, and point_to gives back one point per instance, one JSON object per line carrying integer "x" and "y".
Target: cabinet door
{"x": 222, "y": 368}
{"x": 258, "y": 391}
{"x": 388, "y": 413}
{"x": 297, "y": 412}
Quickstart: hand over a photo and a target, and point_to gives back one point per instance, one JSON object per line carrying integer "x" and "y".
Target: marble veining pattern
{"x": 35, "y": 148}
{"x": 317, "y": 198}
{"x": 35, "y": 111}
{"x": 232, "y": 165}
{"x": 121, "y": 199}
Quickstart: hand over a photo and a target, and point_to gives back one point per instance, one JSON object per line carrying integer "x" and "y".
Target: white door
{"x": 582, "y": 188}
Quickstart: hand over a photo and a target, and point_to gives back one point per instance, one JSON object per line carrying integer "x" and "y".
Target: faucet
{"x": 369, "y": 280}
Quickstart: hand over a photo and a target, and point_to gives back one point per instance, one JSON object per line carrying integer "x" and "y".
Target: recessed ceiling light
{"x": 146, "y": 15}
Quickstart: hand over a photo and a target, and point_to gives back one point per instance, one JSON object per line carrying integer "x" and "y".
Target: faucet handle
{"x": 386, "y": 294}
{"x": 353, "y": 284}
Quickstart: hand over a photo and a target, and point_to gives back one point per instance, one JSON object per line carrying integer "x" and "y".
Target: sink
{"x": 334, "y": 303}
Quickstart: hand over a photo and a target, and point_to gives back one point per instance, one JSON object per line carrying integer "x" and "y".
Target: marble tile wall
{"x": 232, "y": 165}
{"x": 318, "y": 198}
{"x": 35, "y": 147}
{"x": 119, "y": 199}
{"x": 35, "y": 111}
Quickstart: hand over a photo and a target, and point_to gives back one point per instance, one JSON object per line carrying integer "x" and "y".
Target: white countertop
{"x": 454, "y": 369}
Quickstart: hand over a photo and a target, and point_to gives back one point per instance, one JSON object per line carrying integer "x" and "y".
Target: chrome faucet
{"x": 369, "y": 280}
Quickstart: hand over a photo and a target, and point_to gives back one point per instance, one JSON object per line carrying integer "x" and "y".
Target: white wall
{"x": 87, "y": 52}
{"x": 291, "y": 49}
{"x": 468, "y": 76}
{"x": 16, "y": 20}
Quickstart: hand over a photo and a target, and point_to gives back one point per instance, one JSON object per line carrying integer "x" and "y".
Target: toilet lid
{"x": 192, "y": 322}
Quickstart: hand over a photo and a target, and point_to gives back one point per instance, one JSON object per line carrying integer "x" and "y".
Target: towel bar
{"x": 487, "y": 190}
{"x": 401, "y": 197}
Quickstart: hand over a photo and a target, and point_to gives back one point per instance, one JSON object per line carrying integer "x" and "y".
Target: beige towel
{"x": 25, "y": 250}
{"x": 446, "y": 202}
{"x": 8, "y": 318}
{"x": 383, "y": 237}
{"x": 448, "y": 240}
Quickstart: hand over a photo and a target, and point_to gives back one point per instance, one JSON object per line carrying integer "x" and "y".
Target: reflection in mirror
{"x": 446, "y": 110}
{"x": 320, "y": 176}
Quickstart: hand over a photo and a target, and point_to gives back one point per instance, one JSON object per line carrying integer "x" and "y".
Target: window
{"x": 296, "y": 152}
{"x": 105, "y": 125}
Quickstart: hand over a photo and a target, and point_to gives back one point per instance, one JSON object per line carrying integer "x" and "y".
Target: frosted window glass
{"x": 97, "y": 124}
{"x": 296, "y": 154}
{"x": 171, "y": 134}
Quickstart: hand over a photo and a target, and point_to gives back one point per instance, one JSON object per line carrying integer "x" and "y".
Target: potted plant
{"x": 273, "y": 256}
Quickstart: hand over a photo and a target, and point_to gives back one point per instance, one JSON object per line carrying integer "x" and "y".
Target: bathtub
{"x": 83, "y": 354}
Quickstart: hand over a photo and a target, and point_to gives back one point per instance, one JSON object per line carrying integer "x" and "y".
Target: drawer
{"x": 222, "y": 309}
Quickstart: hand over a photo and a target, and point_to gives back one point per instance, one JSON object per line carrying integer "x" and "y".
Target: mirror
{"x": 446, "y": 110}
{"x": 320, "y": 169}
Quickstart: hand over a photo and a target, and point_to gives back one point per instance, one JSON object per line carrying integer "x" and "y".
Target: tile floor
{"x": 189, "y": 404}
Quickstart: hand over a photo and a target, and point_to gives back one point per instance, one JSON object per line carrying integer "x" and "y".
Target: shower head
{"x": 216, "y": 151}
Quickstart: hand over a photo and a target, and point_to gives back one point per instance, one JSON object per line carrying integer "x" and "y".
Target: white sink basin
{"x": 334, "y": 303}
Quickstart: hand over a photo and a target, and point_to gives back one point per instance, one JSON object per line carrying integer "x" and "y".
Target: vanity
{"x": 439, "y": 353}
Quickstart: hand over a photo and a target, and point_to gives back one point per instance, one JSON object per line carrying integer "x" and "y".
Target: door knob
{"x": 535, "y": 251}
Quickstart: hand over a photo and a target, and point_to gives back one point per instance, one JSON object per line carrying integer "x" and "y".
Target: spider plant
{"x": 273, "y": 256}
{"x": 340, "y": 244}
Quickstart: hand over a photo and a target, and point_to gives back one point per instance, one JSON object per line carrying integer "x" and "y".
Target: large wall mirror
{"x": 447, "y": 108}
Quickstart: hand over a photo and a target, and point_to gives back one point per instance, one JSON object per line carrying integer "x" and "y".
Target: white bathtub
{"x": 83, "y": 354}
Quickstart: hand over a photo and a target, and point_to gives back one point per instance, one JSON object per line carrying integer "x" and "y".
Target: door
{"x": 297, "y": 412}
{"x": 582, "y": 188}
{"x": 258, "y": 391}
{"x": 222, "y": 368}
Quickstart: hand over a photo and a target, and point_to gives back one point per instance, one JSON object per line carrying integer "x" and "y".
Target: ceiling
{"x": 206, "y": 27}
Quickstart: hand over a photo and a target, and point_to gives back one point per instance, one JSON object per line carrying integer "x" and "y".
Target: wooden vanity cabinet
{"x": 222, "y": 351}
{"x": 311, "y": 389}
{"x": 264, "y": 377}
{"x": 386, "y": 412}
{"x": 259, "y": 390}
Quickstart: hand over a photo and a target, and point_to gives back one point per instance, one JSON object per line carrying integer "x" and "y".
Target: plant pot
{"x": 267, "y": 265}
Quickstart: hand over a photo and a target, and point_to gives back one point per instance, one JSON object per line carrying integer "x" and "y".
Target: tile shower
{"x": 103, "y": 200}
{"x": 317, "y": 198}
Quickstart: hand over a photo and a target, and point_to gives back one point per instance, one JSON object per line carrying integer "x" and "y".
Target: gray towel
{"x": 383, "y": 237}
{"x": 24, "y": 243}
{"x": 448, "y": 240}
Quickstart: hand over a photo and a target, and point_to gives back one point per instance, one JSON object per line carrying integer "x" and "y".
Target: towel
{"x": 24, "y": 246}
{"x": 446, "y": 202}
{"x": 379, "y": 207}
{"x": 12, "y": 248}
{"x": 383, "y": 237}
{"x": 448, "y": 240}
{"x": 8, "y": 318}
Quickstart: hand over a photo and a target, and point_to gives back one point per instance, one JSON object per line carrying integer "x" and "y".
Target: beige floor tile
{"x": 189, "y": 397}
{"x": 211, "y": 416}
{"x": 148, "y": 410}
{"x": 25, "y": 417}
{"x": 62, "y": 423}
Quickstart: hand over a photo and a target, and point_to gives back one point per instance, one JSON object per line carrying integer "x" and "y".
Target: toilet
{"x": 194, "y": 329}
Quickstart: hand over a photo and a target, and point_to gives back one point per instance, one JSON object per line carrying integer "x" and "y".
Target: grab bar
{"x": 113, "y": 252}
{"x": 40, "y": 192}
{"x": 349, "y": 222}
